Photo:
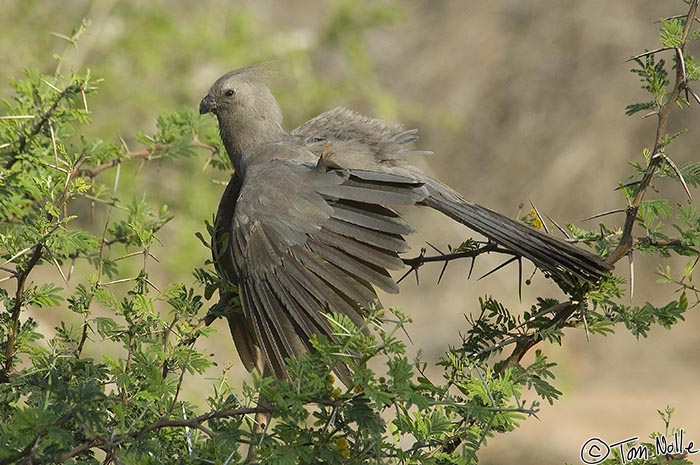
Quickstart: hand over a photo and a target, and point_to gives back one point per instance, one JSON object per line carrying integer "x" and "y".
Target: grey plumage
{"x": 302, "y": 236}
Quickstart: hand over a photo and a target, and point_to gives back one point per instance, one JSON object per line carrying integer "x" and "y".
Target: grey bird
{"x": 307, "y": 223}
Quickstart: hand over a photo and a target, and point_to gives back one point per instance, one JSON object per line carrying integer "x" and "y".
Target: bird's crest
{"x": 264, "y": 71}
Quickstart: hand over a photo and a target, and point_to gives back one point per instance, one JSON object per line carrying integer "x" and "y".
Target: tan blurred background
{"x": 520, "y": 101}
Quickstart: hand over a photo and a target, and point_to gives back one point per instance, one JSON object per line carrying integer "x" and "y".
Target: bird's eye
{"x": 229, "y": 92}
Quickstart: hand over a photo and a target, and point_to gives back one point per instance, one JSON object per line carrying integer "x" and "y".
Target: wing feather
{"x": 371, "y": 216}
{"x": 376, "y": 256}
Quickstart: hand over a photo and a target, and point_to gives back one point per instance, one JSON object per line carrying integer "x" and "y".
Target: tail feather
{"x": 552, "y": 255}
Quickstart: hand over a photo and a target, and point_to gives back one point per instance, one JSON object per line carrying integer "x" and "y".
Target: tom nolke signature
{"x": 596, "y": 450}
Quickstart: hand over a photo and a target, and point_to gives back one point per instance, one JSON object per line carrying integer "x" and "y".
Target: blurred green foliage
{"x": 161, "y": 56}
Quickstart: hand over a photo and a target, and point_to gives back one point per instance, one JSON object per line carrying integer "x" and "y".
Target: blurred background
{"x": 520, "y": 101}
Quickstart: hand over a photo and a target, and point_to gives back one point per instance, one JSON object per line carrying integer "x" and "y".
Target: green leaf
{"x": 46, "y": 295}
{"x": 637, "y": 107}
{"x": 691, "y": 173}
{"x": 671, "y": 33}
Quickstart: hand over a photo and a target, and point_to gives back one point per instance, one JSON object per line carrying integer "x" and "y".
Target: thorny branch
{"x": 626, "y": 242}
{"x": 17, "y": 310}
{"x": 147, "y": 154}
{"x": 416, "y": 262}
{"x": 95, "y": 170}
{"x": 41, "y": 123}
{"x": 107, "y": 443}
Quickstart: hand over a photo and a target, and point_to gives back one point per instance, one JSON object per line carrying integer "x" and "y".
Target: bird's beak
{"x": 207, "y": 105}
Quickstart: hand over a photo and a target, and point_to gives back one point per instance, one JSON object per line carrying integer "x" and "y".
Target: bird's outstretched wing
{"x": 304, "y": 241}
{"x": 360, "y": 141}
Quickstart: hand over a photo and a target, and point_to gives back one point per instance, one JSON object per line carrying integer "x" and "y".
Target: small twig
{"x": 195, "y": 422}
{"x": 28, "y": 249}
{"x": 84, "y": 334}
{"x": 502, "y": 265}
{"x": 668, "y": 18}
{"x": 647, "y": 53}
{"x": 444, "y": 265}
{"x": 85, "y": 105}
{"x": 72, "y": 267}
{"x": 60, "y": 271}
{"x": 17, "y": 117}
{"x": 144, "y": 155}
{"x": 695, "y": 96}
{"x": 127, "y": 238}
{"x": 69, "y": 177}
{"x": 95, "y": 170}
{"x": 129, "y": 255}
{"x": 559, "y": 320}
{"x": 100, "y": 259}
{"x": 561, "y": 229}
{"x": 435, "y": 248}
{"x": 516, "y": 338}
{"x": 117, "y": 175}
{"x": 679, "y": 174}
{"x": 181, "y": 378}
{"x": 12, "y": 272}
{"x": 53, "y": 143}
{"x": 53, "y": 167}
{"x": 628, "y": 184}
{"x": 585, "y": 326}
{"x": 17, "y": 310}
{"x": 679, "y": 56}
{"x": 197, "y": 143}
{"x": 134, "y": 254}
{"x": 56, "y": 89}
{"x": 119, "y": 281}
{"x": 123, "y": 142}
{"x": 605, "y": 213}
{"x": 671, "y": 243}
{"x": 152, "y": 285}
{"x": 630, "y": 255}
{"x": 405, "y": 275}
{"x": 422, "y": 259}
{"x": 539, "y": 217}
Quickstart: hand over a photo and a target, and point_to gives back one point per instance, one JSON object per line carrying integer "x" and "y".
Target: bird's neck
{"x": 244, "y": 139}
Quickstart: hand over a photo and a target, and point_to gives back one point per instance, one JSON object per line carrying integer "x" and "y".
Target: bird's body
{"x": 307, "y": 224}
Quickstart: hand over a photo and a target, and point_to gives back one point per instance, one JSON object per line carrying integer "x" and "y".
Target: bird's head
{"x": 242, "y": 94}
{"x": 248, "y": 113}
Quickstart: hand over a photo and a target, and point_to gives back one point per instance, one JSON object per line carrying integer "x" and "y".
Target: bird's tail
{"x": 554, "y": 256}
